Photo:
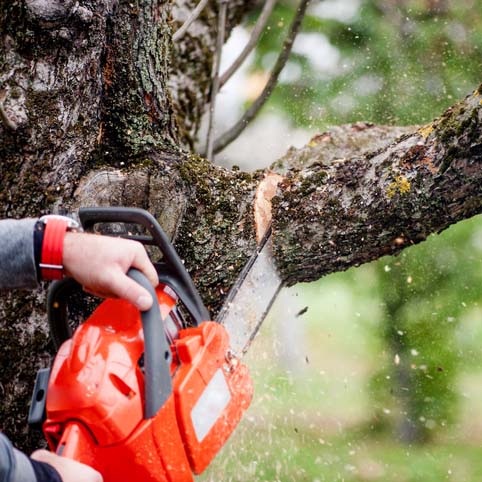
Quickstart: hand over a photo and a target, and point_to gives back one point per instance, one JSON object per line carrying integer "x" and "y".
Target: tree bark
{"x": 101, "y": 108}
{"x": 333, "y": 215}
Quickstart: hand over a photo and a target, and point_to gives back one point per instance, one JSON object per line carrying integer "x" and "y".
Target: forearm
{"x": 17, "y": 467}
{"x": 17, "y": 263}
{"x": 14, "y": 466}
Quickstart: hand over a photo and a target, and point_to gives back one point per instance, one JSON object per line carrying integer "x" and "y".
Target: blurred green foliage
{"x": 398, "y": 62}
{"x": 427, "y": 293}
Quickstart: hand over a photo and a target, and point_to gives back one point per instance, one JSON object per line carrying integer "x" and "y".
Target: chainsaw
{"x": 150, "y": 396}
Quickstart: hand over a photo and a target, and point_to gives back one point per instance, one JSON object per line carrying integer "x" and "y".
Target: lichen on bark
{"x": 343, "y": 212}
{"x": 137, "y": 117}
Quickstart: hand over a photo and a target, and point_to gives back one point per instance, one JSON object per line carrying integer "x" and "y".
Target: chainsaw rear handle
{"x": 157, "y": 352}
{"x": 57, "y": 296}
{"x": 90, "y": 216}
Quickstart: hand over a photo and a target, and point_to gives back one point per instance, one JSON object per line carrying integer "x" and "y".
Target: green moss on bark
{"x": 217, "y": 234}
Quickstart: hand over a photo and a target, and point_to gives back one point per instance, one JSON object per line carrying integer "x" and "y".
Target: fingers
{"x": 99, "y": 263}
{"x": 142, "y": 262}
{"x": 126, "y": 288}
{"x": 69, "y": 470}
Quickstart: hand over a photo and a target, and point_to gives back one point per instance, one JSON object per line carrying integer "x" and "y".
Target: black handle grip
{"x": 89, "y": 217}
{"x": 157, "y": 353}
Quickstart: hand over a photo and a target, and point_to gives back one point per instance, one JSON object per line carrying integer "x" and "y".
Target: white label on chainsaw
{"x": 210, "y": 405}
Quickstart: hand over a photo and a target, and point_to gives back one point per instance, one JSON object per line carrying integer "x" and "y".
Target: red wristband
{"x": 52, "y": 249}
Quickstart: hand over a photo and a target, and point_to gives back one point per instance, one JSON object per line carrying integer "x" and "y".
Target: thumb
{"x": 127, "y": 289}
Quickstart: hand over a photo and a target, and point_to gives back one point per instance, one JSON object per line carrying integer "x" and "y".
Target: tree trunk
{"x": 99, "y": 108}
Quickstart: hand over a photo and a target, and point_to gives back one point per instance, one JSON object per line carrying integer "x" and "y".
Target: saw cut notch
{"x": 262, "y": 203}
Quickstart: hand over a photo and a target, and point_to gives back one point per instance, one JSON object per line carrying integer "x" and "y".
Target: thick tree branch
{"x": 355, "y": 193}
{"x": 340, "y": 142}
{"x": 343, "y": 213}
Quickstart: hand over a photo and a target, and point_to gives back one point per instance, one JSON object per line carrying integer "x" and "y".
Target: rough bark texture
{"x": 206, "y": 209}
{"x": 103, "y": 105}
{"x": 341, "y": 213}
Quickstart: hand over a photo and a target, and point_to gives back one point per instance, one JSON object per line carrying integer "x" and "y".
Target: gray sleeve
{"x": 17, "y": 262}
{"x": 14, "y": 465}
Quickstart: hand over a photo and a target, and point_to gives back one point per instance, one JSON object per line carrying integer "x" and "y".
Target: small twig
{"x": 215, "y": 85}
{"x": 301, "y": 312}
{"x": 251, "y": 113}
{"x": 194, "y": 15}
{"x": 6, "y": 121}
{"x": 253, "y": 40}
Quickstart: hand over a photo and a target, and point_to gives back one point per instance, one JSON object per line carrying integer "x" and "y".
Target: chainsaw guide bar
{"x": 251, "y": 297}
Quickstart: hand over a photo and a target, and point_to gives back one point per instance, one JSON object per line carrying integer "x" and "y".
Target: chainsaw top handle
{"x": 157, "y": 353}
{"x": 172, "y": 271}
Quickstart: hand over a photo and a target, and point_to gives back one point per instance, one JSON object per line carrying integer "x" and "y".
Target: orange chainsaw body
{"x": 95, "y": 397}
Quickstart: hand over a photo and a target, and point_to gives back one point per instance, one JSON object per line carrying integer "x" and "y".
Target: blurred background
{"x": 374, "y": 373}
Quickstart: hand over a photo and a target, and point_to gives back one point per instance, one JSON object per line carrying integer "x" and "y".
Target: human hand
{"x": 69, "y": 470}
{"x": 100, "y": 264}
